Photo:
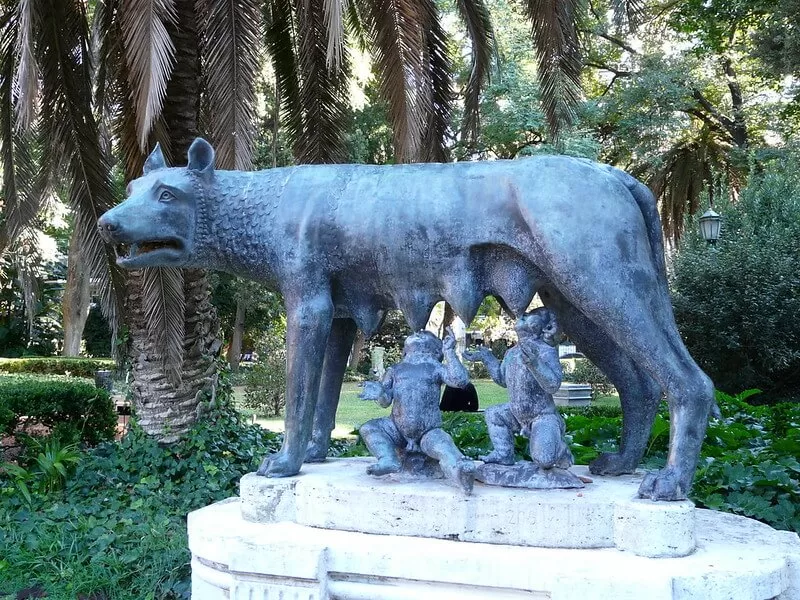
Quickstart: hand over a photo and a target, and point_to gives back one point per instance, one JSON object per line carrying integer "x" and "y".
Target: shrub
{"x": 265, "y": 382}
{"x": 77, "y": 367}
{"x": 585, "y": 371}
{"x": 118, "y": 529}
{"x": 736, "y": 304}
{"x": 75, "y": 408}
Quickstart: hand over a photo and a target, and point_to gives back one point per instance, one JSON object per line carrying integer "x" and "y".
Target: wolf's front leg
{"x": 308, "y": 324}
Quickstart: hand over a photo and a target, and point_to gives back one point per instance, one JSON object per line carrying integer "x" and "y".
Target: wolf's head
{"x": 156, "y": 225}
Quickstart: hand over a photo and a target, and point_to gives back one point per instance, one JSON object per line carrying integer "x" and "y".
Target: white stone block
{"x": 338, "y": 494}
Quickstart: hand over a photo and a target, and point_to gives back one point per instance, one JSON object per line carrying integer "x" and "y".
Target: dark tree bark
{"x": 235, "y": 349}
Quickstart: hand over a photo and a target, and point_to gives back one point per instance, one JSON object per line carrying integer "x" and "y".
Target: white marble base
{"x": 338, "y": 494}
{"x": 736, "y": 559}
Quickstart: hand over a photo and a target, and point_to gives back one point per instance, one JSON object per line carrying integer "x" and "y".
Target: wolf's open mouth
{"x": 132, "y": 250}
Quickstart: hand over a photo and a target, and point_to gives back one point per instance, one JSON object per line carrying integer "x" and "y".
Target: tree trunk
{"x": 77, "y": 295}
{"x": 355, "y": 353}
{"x": 166, "y": 408}
{"x": 235, "y": 349}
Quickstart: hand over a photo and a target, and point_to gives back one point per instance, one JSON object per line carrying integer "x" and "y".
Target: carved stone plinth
{"x": 304, "y": 538}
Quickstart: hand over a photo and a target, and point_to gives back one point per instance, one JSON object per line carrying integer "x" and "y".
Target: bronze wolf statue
{"x": 344, "y": 243}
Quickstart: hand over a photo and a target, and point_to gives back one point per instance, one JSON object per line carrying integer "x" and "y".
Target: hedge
{"x": 77, "y": 367}
{"x": 88, "y": 412}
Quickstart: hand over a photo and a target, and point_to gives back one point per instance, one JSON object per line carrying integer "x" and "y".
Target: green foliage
{"x": 96, "y": 333}
{"x": 585, "y": 371}
{"x": 49, "y": 471}
{"x": 56, "y": 365}
{"x": 749, "y": 464}
{"x": 76, "y": 409}
{"x": 118, "y": 529}
{"x": 736, "y": 304}
{"x": 265, "y": 381}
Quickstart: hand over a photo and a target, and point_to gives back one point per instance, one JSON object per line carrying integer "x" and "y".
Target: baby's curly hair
{"x": 536, "y": 322}
{"x": 423, "y": 341}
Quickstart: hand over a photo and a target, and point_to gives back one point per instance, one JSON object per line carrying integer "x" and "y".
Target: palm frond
{"x": 19, "y": 204}
{"x": 27, "y": 73}
{"x": 280, "y": 43}
{"x": 323, "y": 90}
{"x": 476, "y": 18}
{"x": 164, "y": 309}
{"x": 149, "y": 55}
{"x": 72, "y": 138}
{"x": 628, "y": 12}
{"x": 356, "y": 27}
{"x": 439, "y": 101}
{"x": 399, "y": 41}
{"x": 334, "y": 12}
{"x": 556, "y": 41}
{"x": 684, "y": 174}
{"x": 231, "y": 34}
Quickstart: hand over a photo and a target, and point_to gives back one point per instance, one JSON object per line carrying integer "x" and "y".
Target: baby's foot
{"x": 497, "y": 458}
{"x": 383, "y": 467}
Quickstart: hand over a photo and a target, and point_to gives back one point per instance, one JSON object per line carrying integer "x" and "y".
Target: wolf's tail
{"x": 647, "y": 205}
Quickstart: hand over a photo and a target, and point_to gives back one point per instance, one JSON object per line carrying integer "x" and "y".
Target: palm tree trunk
{"x": 77, "y": 295}
{"x": 165, "y": 407}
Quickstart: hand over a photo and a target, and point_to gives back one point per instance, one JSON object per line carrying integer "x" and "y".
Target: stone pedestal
{"x": 336, "y": 533}
{"x": 573, "y": 394}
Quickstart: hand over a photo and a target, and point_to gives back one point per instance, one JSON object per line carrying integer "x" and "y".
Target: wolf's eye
{"x": 166, "y": 196}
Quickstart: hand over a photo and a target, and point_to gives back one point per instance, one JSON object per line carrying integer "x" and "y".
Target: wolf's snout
{"x": 107, "y": 227}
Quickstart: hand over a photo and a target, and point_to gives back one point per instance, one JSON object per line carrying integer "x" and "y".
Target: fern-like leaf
{"x": 476, "y": 18}
{"x": 149, "y": 56}
{"x": 231, "y": 34}
{"x": 556, "y": 41}
{"x": 164, "y": 309}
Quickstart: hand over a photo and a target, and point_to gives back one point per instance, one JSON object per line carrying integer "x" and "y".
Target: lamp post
{"x": 710, "y": 224}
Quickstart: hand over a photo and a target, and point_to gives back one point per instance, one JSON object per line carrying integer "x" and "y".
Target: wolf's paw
{"x": 663, "y": 485}
{"x": 279, "y": 465}
{"x": 316, "y": 452}
{"x": 612, "y": 463}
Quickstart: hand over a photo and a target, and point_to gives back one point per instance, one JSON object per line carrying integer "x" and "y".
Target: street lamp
{"x": 710, "y": 224}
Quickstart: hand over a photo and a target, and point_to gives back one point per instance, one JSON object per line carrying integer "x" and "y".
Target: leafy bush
{"x": 76, "y": 408}
{"x": 736, "y": 304}
{"x": 77, "y": 367}
{"x": 749, "y": 464}
{"x": 265, "y": 381}
{"x": 585, "y": 371}
{"x": 118, "y": 529}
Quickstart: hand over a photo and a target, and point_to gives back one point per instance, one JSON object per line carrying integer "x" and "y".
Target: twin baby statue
{"x": 532, "y": 373}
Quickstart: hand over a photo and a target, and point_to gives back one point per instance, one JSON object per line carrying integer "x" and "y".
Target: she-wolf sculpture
{"x": 343, "y": 243}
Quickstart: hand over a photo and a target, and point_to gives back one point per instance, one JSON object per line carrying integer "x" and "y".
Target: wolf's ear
{"x": 155, "y": 160}
{"x": 201, "y": 157}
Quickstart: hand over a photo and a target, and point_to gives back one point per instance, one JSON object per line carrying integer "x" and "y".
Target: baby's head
{"x": 539, "y": 323}
{"x": 423, "y": 342}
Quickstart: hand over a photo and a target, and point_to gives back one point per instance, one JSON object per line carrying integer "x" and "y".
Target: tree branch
{"x": 614, "y": 40}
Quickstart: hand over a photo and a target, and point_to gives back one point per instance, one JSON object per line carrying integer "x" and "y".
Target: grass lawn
{"x": 353, "y": 413}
